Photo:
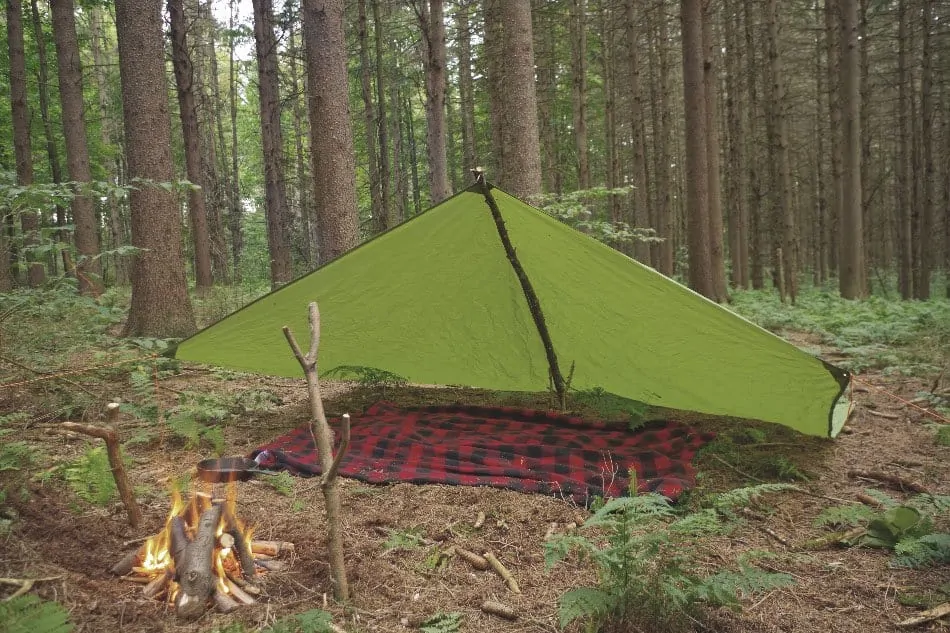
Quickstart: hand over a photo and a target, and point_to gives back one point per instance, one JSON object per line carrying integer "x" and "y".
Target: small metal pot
{"x": 227, "y": 469}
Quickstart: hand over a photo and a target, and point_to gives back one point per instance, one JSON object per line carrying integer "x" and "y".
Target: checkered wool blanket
{"x": 520, "y": 449}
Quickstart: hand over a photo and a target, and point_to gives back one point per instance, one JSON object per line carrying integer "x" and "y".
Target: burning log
{"x": 196, "y": 577}
{"x": 224, "y": 602}
{"x": 244, "y": 554}
{"x": 157, "y": 586}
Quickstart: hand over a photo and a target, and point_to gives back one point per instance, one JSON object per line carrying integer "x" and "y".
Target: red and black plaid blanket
{"x": 520, "y": 449}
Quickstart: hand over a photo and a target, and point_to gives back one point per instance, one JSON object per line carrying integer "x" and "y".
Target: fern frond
{"x": 91, "y": 477}
{"x": 585, "y": 603}
{"x": 741, "y": 497}
{"x": 884, "y": 499}
{"x": 727, "y": 587}
{"x": 16, "y": 416}
{"x": 930, "y": 504}
{"x": 703, "y": 522}
{"x": 559, "y": 547}
{"x": 650, "y": 505}
{"x": 851, "y": 515}
{"x": 442, "y": 623}
{"x": 185, "y": 426}
{"x": 932, "y": 549}
{"x": 29, "y": 614}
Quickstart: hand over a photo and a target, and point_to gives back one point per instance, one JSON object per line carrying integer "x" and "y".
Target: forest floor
{"x": 51, "y": 534}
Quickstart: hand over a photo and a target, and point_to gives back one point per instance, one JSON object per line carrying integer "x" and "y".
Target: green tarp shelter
{"x": 436, "y": 301}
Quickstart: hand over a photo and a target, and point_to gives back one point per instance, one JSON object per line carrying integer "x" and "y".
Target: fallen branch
{"x": 868, "y": 500}
{"x": 271, "y": 548}
{"x": 125, "y": 565}
{"x": 157, "y": 585}
{"x": 502, "y": 571}
{"x": 884, "y": 414}
{"x": 473, "y": 559}
{"x": 24, "y": 584}
{"x": 897, "y": 481}
{"x": 110, "y": 436}
{"x": 499, "y": 609}
{"x": 763, "y": 528}
{"x": 927, "y": 616}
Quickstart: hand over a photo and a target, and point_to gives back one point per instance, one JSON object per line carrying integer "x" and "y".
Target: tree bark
{"x": 160, "y": 303}
{"x": 710, "y": 90}
{"x": 235, "y": 216}
{"x": 521, "y": 162}
{"x": 851, "y": 265}
{"x": 52, "y": 152}
{"x": 311, "y": 235}
{"x": 185, "y": 84}
{"x": 781, "y": 167}
{"x": 736, "y": 189}
{"x": 578, "y": 22}
{"x": 925, "y": 245}
{"x": 275, "y": 185}
{"x": 334, "y": 163}
{"x": 905, "y": 247}
{"x": 697, "y": 173}
{"x": 466, "y": 87}
{"x": 836, "y": 192}
{"x": 388, "y": 211}
{"x": 496, "y": 79}
{"x": 370, "y": 121}
{"x": 433, "y": 28}
{"x": 22, "y": 147}
{"x": 640, "y": 212}
{"x": 663, "y": 120}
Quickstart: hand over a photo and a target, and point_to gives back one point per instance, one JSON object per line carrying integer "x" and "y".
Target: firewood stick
{"x": 241, "y": 549}
{"x": 271, "y": 565}
{"x": 110, "y": 436}
{"x": 499, "y": 609}
{"x": 868, "y": 500}
{"x": 884, "y": 414}
{"x": 195, "y": 572}
{"x": 224, "y": 602}
{"x": 502, "y": 571}
{"x": 158, "y": 585}
{"x": 226, "y": 541}
{"x": 895, "y": 480}
{"x": 927, "y": 616}
{"x": 237, "y": 593}
{"x": 271, "y": 548}
{"x": 473, "y": 559}
{"x": 128, "y": 561}
{"x": 178, "y": 538}
{"x": 249, "y": 587}
{"x": 479, "y": 520}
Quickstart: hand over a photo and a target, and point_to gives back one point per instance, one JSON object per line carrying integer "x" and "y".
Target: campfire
{"x": 204, "y": 554}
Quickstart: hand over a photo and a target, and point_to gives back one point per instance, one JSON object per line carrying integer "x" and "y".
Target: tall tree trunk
{"x": 185, "y": 84}
{"x": 851, "y": 265}
{"x": 612, "y": 168}
{"x": 663, "y": 121}
{"x": 302, "y": 136}
{"x": 235, "y": 216}
{"x": 640, "y": 213}
{"x": 736, "y": 181}
{"x": 836, "y": 192}
{"x": 904, "y": 196}
{"x": 753, "y": 73}
{"x": 497, "y": 80}
{"x": 100, "y": 56}
{"x": 822, "y": 271}
{"x": 22, "y": 147}
{"x": 52, "y": 152}
{"x": 579, "y": 90}
{"x": 385, "y": 151}
{"x": 697, "y": 189}
{"x": 466, "y": 87}
{"x": 433, "y": 28}
{"x": 546, "y": 61}
{"x": 160, "y": 303}
{"x": 925, "y": 245}
{"x": 331, "y": 133}
{"x": 521, "y": 166}
{"x": 370, "y": 121}
{"x": 711, "y": 92}
{"x": 275, "y": 199}
{"x": 781, "y": 167}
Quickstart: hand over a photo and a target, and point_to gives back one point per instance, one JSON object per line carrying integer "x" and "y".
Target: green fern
{"x": 312, "y": 621}
{"x": 726, "y": 587}
{"x": 584, "y": 603}
{"x": 404, "y": 539}
{"x": 367, "y": 376}
{"x": 742, "y": 497}
{"x": 91, "y": 478}
{"x": 932, "y": 549}
{"x": 442, "y": 623}
{"x": 282, "y": 482}
{"x": 839, "y": 517}
{"x": 29, "y": 614}
{"x": 942, "y": 435}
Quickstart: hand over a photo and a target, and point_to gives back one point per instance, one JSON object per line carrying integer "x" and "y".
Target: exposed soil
{"x": 54, "y": 534}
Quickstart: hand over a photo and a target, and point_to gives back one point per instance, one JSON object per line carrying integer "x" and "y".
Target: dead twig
{"x": 927, "y": 616}
{"x": 502, "y": 571}
{"x": 895, "y": 481}
{"x": 884, "y": 414}
{"x": 24, "y": 584}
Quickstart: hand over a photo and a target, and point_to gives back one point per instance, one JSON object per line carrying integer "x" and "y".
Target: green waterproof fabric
{"x": 436, "y": 301}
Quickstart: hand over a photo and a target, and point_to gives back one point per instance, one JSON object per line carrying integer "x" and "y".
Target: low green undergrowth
{"x": 649, "y": 562}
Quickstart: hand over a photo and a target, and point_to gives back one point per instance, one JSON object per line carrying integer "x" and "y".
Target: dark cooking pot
{"x": 226, "y": 469}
